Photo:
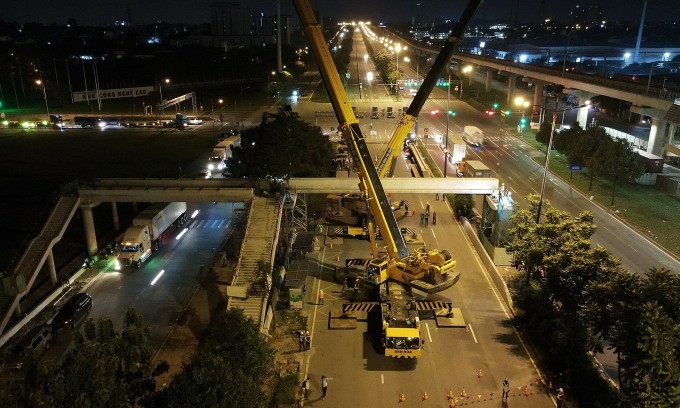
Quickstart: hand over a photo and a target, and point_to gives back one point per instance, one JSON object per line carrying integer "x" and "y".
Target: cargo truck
{"x": 149, "y": 230}
{"x": 473, "y": 135}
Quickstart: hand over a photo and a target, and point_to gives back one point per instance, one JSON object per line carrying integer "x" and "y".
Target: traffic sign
{"x": 575, "y": 167}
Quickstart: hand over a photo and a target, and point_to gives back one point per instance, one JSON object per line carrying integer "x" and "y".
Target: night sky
{"x": 88, "y": 12}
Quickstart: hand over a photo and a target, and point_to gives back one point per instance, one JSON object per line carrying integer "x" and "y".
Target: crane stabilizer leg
{"x": 378, "y": 202}
{"x": 429, "y": 82}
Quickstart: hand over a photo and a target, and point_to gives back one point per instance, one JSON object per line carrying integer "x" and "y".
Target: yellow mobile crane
{"x": 388, "y": 158}
{"x": 427, "y": 270}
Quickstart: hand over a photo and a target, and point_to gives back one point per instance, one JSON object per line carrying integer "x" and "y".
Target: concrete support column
{"x": 538, "y": 95}
{"x": 489, "y": 77}
{"x": 134, "y": 208}
{"x": 114, "y": 212}
{"x": 52, "y": 268}
{"x": 583, "y": 96}
{"x": 512, "y": 78}
{"x": 657, "y": 136}
{"x": 90, "y": 235}
{"x": 583, "y": 117}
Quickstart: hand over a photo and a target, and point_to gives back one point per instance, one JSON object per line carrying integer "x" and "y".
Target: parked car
{"x": 73, "y": 311}
{"x": 35, "y": 342}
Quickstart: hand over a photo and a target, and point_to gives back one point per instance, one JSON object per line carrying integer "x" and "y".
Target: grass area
{"x": 653, "y": 212}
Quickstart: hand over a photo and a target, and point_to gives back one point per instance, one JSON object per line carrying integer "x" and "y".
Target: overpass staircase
{"x": 19, "y": 282}
{"x": 259, "y": 244}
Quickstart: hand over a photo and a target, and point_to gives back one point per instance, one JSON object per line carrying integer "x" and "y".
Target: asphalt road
{"x": 185, "y": 263}
{"x": 452, "y": 357}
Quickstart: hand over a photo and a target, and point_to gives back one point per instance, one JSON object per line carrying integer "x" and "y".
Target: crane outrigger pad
{"x": 449, "y": 318}
{"x": 337, "y": 320}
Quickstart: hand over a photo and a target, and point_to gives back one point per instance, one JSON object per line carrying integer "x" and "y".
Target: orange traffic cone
{"x": 526, "y": 391}
{"x": 479, "y": 374}
{"x": 425, "y": 396}
{"x": 402, "y": 397}
{"x": 452, "y": 404}
{"x": 463, "y": 393}
{"x": 467, "y": 330}
{"x": 449, "y": 395}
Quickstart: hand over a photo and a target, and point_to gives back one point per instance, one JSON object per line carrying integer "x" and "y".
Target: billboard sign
{"x": 112, "y": 93}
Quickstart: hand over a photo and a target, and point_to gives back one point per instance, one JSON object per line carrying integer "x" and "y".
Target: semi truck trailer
{"x": 149, "y": 230}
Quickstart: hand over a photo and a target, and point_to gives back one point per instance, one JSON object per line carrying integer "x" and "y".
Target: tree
{"x": 543, "y": 134}
{"x": 230, "y": 369}
{"x": 530, "y": 242}
{"x": 284, "y": 146}
{"x": 463, "y": 204}
{"x": 105, "y": 369}
{"x": 652, "y": 372}
{"x": 595, "y": 149}
{"x": 620, "y": 162}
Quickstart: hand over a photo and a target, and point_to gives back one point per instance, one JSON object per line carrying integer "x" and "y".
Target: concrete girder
{"x": 161, "y": 194}
{"x": 397, "y": 185}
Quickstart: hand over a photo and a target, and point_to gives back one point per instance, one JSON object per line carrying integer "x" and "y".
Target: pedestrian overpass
{"x": 269, "y": 204}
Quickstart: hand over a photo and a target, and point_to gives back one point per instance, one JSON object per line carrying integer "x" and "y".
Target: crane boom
{"x": 356, "y": 144}
{"x": 386, "y": 162}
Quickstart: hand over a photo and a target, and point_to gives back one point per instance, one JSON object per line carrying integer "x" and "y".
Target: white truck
{"x": 457, "y": 148}
{"x": 221, "y": 152}
{"x": 149, "y": 230}
{"x": 473, "y": 135}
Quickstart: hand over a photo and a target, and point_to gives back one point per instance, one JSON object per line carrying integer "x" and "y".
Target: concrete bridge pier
{"x": 51, "y": 267}
{"x": 582, "y": 96}
{"x": 538, "y": 94}
{"x": 88, "y": 223}
{"x": 512, "y": 79}
{"x": 114, "y": 212}
{"x": 657, "y": 132}
{"x": 489, "y": 77}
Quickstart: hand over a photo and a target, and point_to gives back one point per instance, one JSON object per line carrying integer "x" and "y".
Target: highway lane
{"x": 513, "y": 160}
{"x": 185, "y": 261}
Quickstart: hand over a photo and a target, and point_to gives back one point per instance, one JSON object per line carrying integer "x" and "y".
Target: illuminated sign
{"x": 112, "y": 93}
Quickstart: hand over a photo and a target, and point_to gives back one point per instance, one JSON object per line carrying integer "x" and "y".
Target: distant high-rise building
{"x": 230, "y": 18}
{"x": 233, "y": 25}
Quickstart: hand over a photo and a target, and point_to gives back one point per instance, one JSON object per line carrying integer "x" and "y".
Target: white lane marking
{"x": 433, "y": 234}
{"x": 198, "y": 225}
{"x": 429, "y": 335}
{"x": 473, "y": 332}
{"x": 382, "y": 378}
{"x": 220, "y": 224}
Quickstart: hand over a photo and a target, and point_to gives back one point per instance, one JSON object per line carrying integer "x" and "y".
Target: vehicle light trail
{"x": 184, "y": 231}
{"x": 153, "y": 282}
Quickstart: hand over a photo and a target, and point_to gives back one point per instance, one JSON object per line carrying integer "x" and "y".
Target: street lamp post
{"x": 547, "y": 160}
{"x": 448, "y": 108}
{"x": 519, "y": 101}
{"x": 446, "y": 159}
{"x": 160, "y": 90}
{"x": 47, "y": 108}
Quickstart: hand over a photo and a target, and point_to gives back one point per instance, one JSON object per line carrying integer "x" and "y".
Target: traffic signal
{"x": 496, "y": 105}
{"x": 452, "y": 112}
{"x": 523, "y": 123}
{"x": 505, "y": 113}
